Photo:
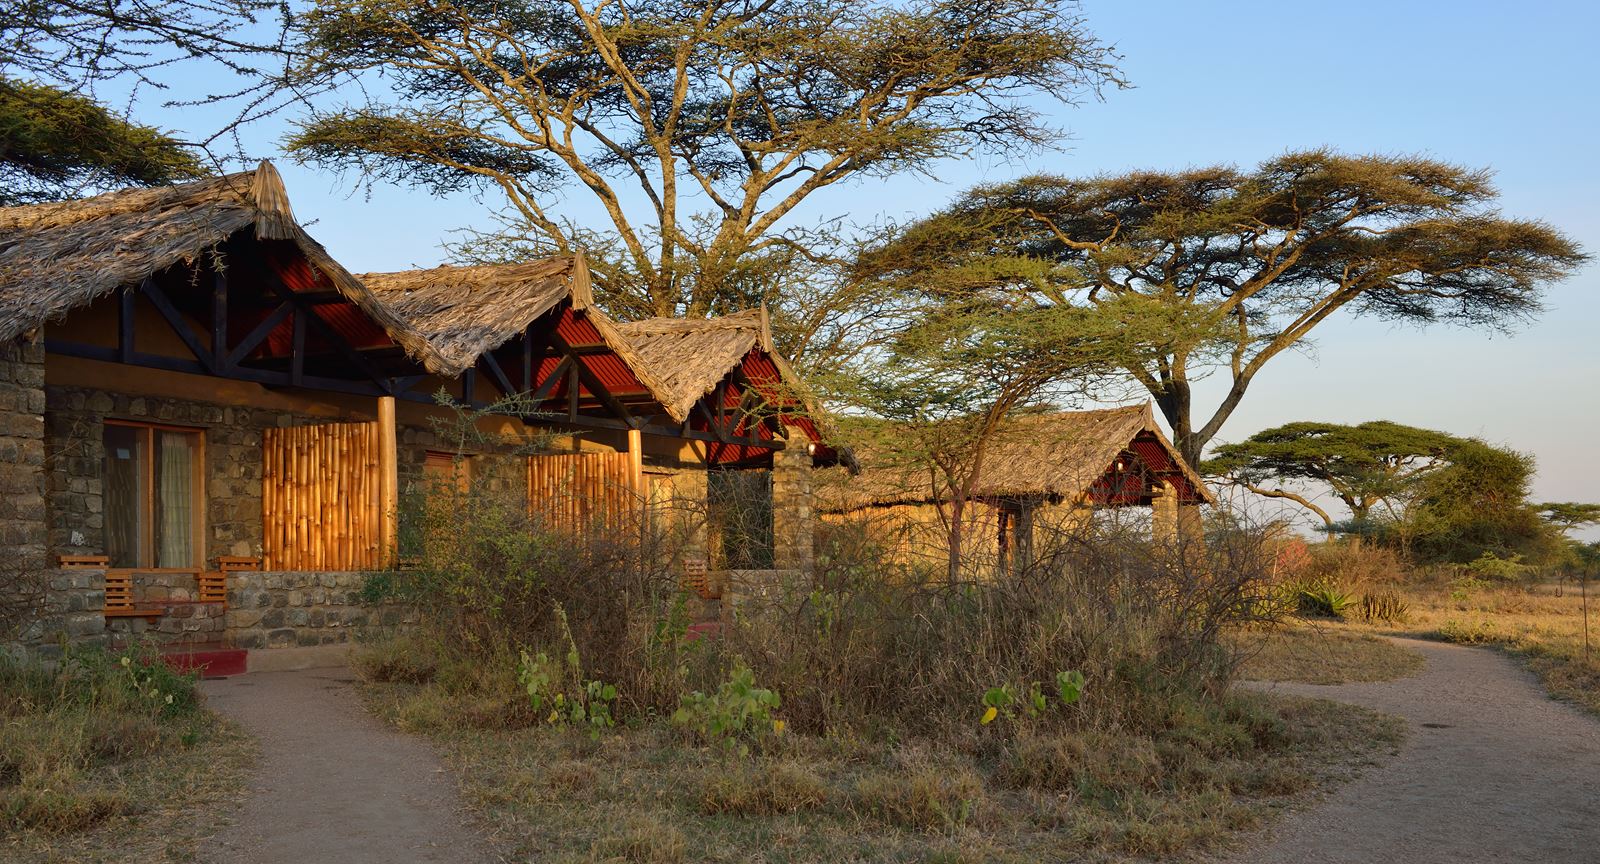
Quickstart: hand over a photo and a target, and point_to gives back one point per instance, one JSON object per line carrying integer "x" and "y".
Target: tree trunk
{"x": 1174, "y": 399}
{"x": 957, "y": 510}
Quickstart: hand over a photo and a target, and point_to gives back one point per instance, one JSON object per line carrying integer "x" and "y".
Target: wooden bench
{"x": 83, "y": 562}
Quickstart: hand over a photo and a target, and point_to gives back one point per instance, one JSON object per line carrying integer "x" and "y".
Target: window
{"x": 739, "y": 513}
{"x": 445, "y": 470}
{"x": 152, "y": 496}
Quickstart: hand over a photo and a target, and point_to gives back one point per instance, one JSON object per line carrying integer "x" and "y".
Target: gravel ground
{"x": 334, "y": 784}
{"x": 1493, "y": 771}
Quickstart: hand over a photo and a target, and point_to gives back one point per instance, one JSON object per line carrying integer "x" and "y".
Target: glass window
{"x": 152, "y": 496}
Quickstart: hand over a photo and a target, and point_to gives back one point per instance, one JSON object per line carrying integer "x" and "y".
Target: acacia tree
{"x": 699, "y": 127}
{"x": 1266, "y": 255}
{"x": 1476, "y": 505}
{"x": 1365, "y": 465}
{"x": 1567, "y": 516}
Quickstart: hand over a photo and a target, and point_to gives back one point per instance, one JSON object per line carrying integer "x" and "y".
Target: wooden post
{"x": 219, "y": 321}
{"x": 636, "y": 461}
{"x": 388, "y": 484}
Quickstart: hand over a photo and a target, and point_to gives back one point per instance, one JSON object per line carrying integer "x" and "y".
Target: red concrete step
{"x": 211, "y": 660}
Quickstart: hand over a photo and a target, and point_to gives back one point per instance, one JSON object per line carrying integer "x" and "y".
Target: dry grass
{"x": 1540, "y": 624}
{"x": 88, "y": 773}
{"x": 1013, "y": 793}
{"x": 1323, "y": 654}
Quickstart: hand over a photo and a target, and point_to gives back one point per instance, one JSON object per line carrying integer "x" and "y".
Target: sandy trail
{"x": 334, "y": 784}
{"x": 1493, "y": 771}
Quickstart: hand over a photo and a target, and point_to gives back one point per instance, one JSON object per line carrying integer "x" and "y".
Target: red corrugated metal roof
{"x": 1144, "y": 460}
{"x": 344, "y": 318}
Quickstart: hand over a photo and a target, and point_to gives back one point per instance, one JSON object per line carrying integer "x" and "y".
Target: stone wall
{"x": 69, "y": 611}
{"x": 23, "y": 528}
{"x": 284, "y": 610}
{"x": 75, "y": 420}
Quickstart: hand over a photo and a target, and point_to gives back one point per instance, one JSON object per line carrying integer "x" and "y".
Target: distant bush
{"x": 1355, "y": 562}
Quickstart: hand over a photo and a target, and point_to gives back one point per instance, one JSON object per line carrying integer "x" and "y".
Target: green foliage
{"x": 737, "y": 714}
{"x": 1568, "y": 515}
{"x": 55, "y": 145}
{"x": 1320, "y": 599}
{"x": 1477, "y": 505}
{"x": 590, "y": 705}
{"x": 1069, "y": 686}
{"x": 1489, "y": 567}
{"x": 1032, "y": 701}
{"x": 1271, "y": 251}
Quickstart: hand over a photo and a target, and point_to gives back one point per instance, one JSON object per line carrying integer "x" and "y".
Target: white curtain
{"x": 175, "y": 490}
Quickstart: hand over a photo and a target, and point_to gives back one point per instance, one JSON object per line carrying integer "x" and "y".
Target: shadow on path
{"x": 1493, "y": 771}
{"x": 334, "y": 784}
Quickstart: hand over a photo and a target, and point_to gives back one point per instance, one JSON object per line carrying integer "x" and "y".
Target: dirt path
{"x": 1494, "y": 771}
{"x": 334, "y": 784}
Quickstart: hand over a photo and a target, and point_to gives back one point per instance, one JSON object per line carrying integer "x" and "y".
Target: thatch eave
{"x": 58, "y": 257}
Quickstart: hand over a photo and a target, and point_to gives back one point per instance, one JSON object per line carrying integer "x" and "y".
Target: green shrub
{"x": 734, "y": 716}
{"x": 1323, "y": 601}
{"x": 1490, "y": 567}
{"x": 585, "y": 704}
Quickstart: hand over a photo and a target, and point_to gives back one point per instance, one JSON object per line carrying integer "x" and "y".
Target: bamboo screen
{"x": 320, "y": 497}
{"x": 577, "y": 491}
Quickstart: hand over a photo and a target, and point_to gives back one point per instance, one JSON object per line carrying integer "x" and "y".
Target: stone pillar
{"x": 1164, "y": 516}
{"x": 793, "y": 520}
{"x": 24, "y": 530}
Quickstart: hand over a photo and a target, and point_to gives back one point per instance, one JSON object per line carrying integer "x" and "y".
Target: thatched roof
{"x": 691, "y": 355}
{"x": 1058, "y": 454}
{"x": 466, "y": 312}
{"x": 58, "y": 257}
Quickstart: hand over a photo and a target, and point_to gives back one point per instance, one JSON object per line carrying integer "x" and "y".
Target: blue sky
{"x": 1506, "y": 86}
